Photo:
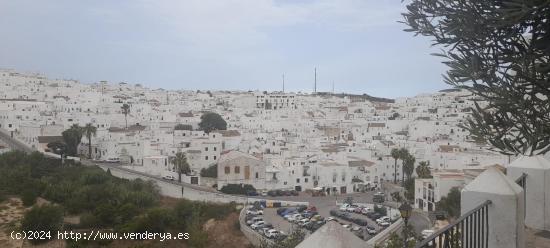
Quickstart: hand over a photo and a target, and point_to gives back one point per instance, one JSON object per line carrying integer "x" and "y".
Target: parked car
{"x": 272, "y": 193}
{"x": 383, "y": 219}
{"x": 344, "y": 207}
{"x": 330, "y": 219}
{"x": 301, "y": 208}
{"x": 359, "y": 221}
{"x": 384, "y": 224}
{"x": 294, "y": 193}
{"x": 112, "y": 160}
{"x": 366, "y": 210}
{"x": 371, "y": 230}
{"x": 375, "y": 216}
{"x": 257, "y": 224}
{"x": 171, "y": 178}
{"x": 272, "y": 233}
{"x": 252, "y": 193}
{"x": 255, "y": 212}
{"x": 254, "y": 220}
{"x": 280, "y": 211}
{"x": 304, "y": 223}
{"x": 352, "y": 208}
{"x": 358, "y": 210}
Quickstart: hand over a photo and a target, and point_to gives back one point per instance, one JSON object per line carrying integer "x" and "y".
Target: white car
{"x": 345, "y": 226}
{"x": 371, "y": 230}
{"x": 329, "y": 219}
{"x": 171, "y": 178}
{"x": 383, "y": 219}
{"x": 254, "y": 220}
{"x": 255, "y": 212}
{"x": 303, "y": 222}
{"x": 366, "y": 210}
{"x": 384, "y": 224}
{"x": 272, "y": 233}
{"x": 351, "y": 209}
{"x": 257, "y": 224}
{"x": 344, "y": 207}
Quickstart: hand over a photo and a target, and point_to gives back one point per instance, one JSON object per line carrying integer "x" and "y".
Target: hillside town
{"x": 335, "y": 143}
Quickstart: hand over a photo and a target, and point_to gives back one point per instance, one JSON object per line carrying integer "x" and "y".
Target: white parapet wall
{"x": 506, "y": 212}
{"x": 537, "y": 189}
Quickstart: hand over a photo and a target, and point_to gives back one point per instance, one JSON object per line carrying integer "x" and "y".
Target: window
{"x": 214, "y": 157}
{"x": 297, "y": 180}
{"x": 257, "y": 175}
{"x": 305, "y": 180}
{"x": 205, "y": 157}
{"x": 206, "y": 149}
{"x": 237, "y": 169}
{"x": 215, "y": 148}
{"x": 227, "y": 170}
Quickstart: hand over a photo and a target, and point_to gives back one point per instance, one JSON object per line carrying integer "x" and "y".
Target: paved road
{"x": 13, "y": 143}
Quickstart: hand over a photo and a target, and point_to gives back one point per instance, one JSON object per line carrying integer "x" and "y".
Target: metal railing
{"x": 469, "y": 230}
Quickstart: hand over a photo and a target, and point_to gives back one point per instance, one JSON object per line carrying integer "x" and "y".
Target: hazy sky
{"x": 222, "y": 44}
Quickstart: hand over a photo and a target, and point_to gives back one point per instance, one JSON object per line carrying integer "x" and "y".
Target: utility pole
{"x": 283, "y": 83}
{"x": 315, "y": 85}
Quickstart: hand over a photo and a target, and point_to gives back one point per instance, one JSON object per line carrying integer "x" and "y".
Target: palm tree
{"x": 403, "y": 155}
{"x": 125, "y": 110}
{"x": 395, "y": 155}
{"x": 180, "y": 163}
{"x": 408, "y": 167}
{"x": 423, "y": 170}
{"x": 90, "y": 130}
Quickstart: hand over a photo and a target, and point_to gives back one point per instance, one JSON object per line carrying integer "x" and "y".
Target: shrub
{"x": 28, "y": 196}
{"x": 43, "y": 218}
{"x": 211, "y": 171}
{"x": 237, "y": 189}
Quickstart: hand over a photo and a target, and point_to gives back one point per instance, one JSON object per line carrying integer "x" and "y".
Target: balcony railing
{"x": 469, "y": 230}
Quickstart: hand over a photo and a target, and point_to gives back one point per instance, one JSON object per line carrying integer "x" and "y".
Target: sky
{"x": 356, "y": 45}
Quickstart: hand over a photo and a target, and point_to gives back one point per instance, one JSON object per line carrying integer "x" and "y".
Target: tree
{"x": 423, "y": 170}
{"x": 499, "y": 51}
{"x": 396, "y": 197}
{"x": 212, "y": 121}
{"x": 211, "y": 171}
{"x": 408, "y": 165}
{"x": 180, "y": 163}
{"x": 72, "y": 138}
{"x": 90, "y": 130}
{"x": 409, "y": 188}
{"x": 46, "y": 218}
{"x": 395, "y": 155}
{"x": 403, "y": 155}
{"x": 183, "y": 127}
{"x": 125, "y": 111}
{"x": 450, "y": 203}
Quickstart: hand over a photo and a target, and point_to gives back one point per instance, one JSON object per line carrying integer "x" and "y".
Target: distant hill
{"x": 355, "y": 96}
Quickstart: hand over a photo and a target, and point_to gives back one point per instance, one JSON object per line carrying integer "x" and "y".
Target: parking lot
{"x": 324, "y": 210}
